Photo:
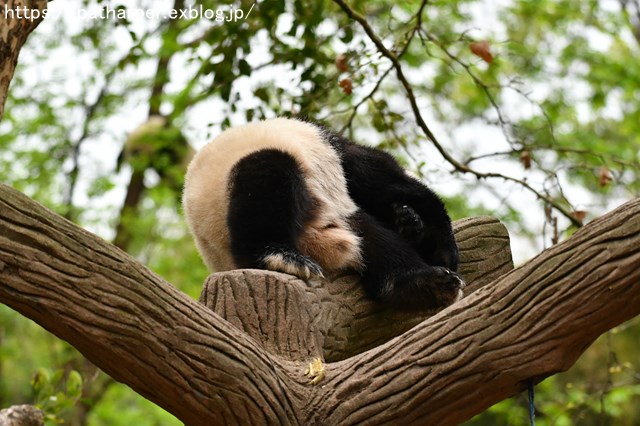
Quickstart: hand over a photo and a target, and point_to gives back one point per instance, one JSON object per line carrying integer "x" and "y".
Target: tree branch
{"x": 14, "y": 30}
{"x": 136, "y": 186}
{"x": 403, "y": 80}
{"x": 128, "y": 321}
{"x": 532, "y": 322}
{"x": 457, "y": 165}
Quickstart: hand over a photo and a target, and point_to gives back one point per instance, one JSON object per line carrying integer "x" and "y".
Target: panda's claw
{"x": 293, "y": 263}
{"x": 446, "y": 286}
{"x": 431, "y": 288}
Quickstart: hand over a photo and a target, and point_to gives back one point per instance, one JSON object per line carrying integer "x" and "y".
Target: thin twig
{"x": 416, "y": 30}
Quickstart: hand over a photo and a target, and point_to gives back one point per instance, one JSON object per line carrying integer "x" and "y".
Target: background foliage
{"x": 526, "y": 110}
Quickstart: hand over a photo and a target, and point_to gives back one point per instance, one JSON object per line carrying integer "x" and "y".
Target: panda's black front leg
{"x": 401, "y": 203}
{"x": 395, "y": 275}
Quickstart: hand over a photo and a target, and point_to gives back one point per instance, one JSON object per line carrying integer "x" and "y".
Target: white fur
{"x": 206, "y": 197}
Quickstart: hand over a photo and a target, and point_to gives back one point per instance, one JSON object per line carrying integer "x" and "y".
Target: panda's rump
{"x": 322, "y": 231}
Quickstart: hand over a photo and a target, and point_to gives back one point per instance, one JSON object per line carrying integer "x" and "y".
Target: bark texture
{"x": 21, "y": 415}
{"x": 529, "y": 323}
{"x": 17, "y": 19}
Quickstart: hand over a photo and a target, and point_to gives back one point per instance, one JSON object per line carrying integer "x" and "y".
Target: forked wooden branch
{"x": 333, "y": 319}
{"x": 532, "y": 322}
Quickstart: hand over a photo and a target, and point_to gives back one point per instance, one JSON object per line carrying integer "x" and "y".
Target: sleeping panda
{"x": 291, "y": 196}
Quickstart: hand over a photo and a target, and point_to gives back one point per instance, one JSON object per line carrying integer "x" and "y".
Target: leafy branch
{"x": 457, "y": 165}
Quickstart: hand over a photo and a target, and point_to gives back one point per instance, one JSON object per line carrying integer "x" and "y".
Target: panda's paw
{"x": 430, "y": 288}
{"x": 408, "y": 222}
{"x": 446, "y": 286}
{"x": 293, "y": 263}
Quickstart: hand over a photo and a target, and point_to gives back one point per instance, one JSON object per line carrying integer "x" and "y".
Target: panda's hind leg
{"x": 395, "y": 275}
{"x": 269, "y": 205}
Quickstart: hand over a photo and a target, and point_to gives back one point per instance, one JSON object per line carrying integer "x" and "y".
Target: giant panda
{"x": 291, "y": 196}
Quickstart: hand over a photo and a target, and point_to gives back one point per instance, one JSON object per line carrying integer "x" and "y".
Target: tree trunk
{"x": 19, "y": 18}
{"x": 530, "y": 323}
